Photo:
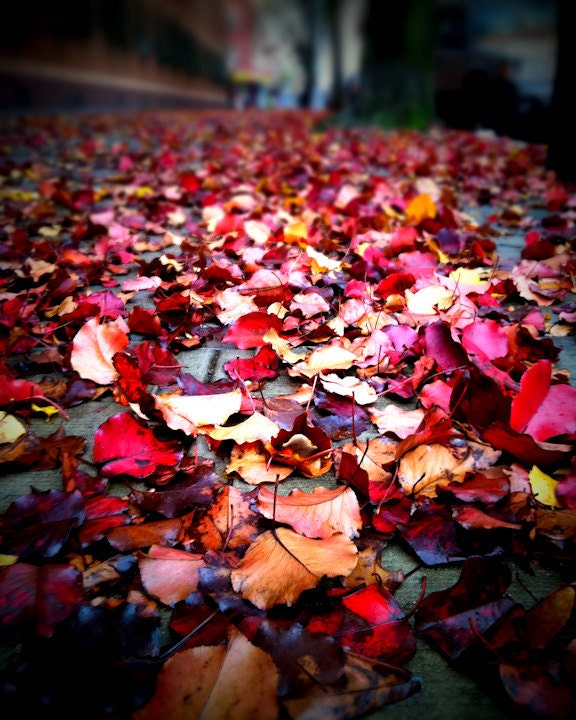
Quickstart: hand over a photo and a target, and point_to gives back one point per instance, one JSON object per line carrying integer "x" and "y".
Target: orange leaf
{"x": 169, "y": 575}
{"x": 427, "y": 467}
{"x": 420, "y": 208}
{"x": 160, "y": 532}
{"x": 237, "y": 681}
{"x": 373, "y": 457}
{"x": 254, "y": 466}
{"x": 230, "y": 522}
{"x": 280, "y": 565}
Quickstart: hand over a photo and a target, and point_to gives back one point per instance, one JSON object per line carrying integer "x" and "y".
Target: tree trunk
{"x": 561, "y": 155}
{"x": 397, "y": 68}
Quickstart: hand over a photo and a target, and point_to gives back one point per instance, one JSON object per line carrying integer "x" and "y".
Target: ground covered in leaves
{"x": 215, "y": 549}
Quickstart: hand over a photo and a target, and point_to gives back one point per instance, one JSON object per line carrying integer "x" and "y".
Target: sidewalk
{"x": 143, "y": 209}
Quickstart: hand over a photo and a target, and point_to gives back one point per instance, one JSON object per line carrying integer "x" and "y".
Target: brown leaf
{"x": 230, "y": 522}
{"x": 367, "y": 686}
{"x": 159, "y": 532}
{"x": 546, "y": 619}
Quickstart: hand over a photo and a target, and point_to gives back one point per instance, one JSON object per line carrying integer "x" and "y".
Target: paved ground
{"x": 445, "y": 694}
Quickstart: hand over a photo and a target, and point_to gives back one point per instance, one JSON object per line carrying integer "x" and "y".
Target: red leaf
{"x": 523, "y": 447}
{"x": 534, "y": 387}
{"x": 385, "y": 633}
{"x": 38, "y": 596}
{"x": 124, "y": 445}
{"x": 248, "y": 330}
{"x": 40, "y": 523}
{"x": 452, "y": 618}
{"x": 14, "y": 391}
{"x": 441, "y": 346}
{"x": 262, "y": 366}
{"x": 556, "y": 415}
{"x": 487, "y": 339}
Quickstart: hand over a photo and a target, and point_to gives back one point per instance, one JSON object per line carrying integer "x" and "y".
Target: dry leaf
{"x": 280, "y": 565}
{"x": 237, "y": 681}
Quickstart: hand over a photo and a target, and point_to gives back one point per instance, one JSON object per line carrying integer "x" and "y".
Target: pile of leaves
{"x": 215, "y": 549}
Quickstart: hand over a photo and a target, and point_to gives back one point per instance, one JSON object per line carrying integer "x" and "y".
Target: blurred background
{"x": 461, "y": 63}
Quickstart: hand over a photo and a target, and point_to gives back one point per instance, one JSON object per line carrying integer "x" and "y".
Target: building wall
{"x": 67, "y": 54}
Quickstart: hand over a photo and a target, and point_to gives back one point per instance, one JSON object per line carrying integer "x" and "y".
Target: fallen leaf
{"x": 94, "y": 346}
{"x": 211, "y": 682}
{"x": 280, "y": 565}
{"x": 169, "y": 574}
{"x": 191, "y": 412}
{"x": 319, "y": 514}
{"x": 124, "y": 445}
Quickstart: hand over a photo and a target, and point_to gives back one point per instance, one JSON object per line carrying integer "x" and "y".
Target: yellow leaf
{"x": 471, "y": 276}
{"x": 18, "y": 195}
{"x": 144, "y": 191}
{"x": 296, "y": 232}
{"x": 468, "y": 280}
{"x": 8, "y": 560}
{"x": 256, "y": 427}
{"x": 543, "y": 487}
{"x": 422, "y": 207}
{"x": 48, "y": 410}
{"x": 10, "y": 428}
{"x": 320, "y": 262}
{"x": 50, "y": 232}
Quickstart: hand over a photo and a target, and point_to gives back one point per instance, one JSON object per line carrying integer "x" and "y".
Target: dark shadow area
{"x": 491, "y": 100}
